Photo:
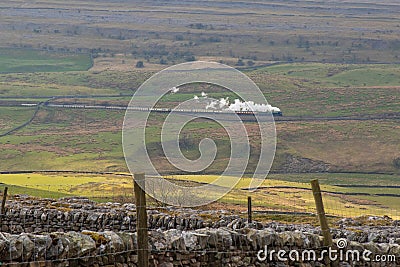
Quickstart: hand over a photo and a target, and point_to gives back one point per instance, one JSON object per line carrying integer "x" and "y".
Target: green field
{"x": 22, "y": 60}
{"x": 272, "y": 196}
{"x": 69, "y": 83}
{"x": 340, "y": 75}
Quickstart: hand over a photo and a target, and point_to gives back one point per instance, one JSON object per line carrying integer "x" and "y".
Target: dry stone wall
{"x": 203, "y": 247}
{"x": 79, "y": 214}
{"x": 79, "y": 232}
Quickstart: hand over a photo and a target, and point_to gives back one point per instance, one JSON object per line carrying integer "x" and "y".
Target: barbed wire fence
{"x": 273, "y": 200}
{"x": 294, "y": 203}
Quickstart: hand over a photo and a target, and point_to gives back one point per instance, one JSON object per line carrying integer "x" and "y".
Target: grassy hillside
{"x": 298, "y": 89}
{"x": 331, "y": 89}
{"x": 61, "y": 139}
{"x": 254, "y": 31}
{"x": 12, "y": 117}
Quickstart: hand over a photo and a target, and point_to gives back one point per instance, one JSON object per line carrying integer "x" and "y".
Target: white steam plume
{"x": 251, "y": 106}
{"x": 174, "y": 90}
{"x": 237, "y": 105}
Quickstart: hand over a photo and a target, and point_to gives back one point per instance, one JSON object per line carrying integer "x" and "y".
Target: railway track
{"x": 244, "y": 116}
{"x": 23, "y": 124}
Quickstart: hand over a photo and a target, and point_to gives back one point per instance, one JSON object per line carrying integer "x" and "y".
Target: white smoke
{"x": 218, "y": 104}
{"x": 223, "y": 102}
{"x": 212, "y": 105}
{"x": 174, "y": 90}
{"x": 238, "y": 105}
{"x": 251, "y": 106}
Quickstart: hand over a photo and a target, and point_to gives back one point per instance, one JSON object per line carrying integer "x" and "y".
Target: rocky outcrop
{"x": 295, "y": 164}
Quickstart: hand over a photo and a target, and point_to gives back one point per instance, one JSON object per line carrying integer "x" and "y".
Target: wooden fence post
{"x": 249, "y": 211}
{"x": 3, "y": 205}
{"x": 3, "y": 202}
{"x": 321, "y": 216}
{"x": 141, "y": 225}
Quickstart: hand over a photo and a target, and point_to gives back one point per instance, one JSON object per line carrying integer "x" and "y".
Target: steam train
{"x": 164, "y": 110}
{"x": 242, "y": 112}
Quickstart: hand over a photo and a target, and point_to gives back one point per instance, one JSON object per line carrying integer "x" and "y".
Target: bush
{"x": 240, "y": 63}
{"x": 190, "y": 58}
{"x": 163, "y": 61}
{"x": 140, "y": 64}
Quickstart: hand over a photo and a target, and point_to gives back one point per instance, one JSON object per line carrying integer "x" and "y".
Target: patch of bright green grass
{"x": 19, "y": 60}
